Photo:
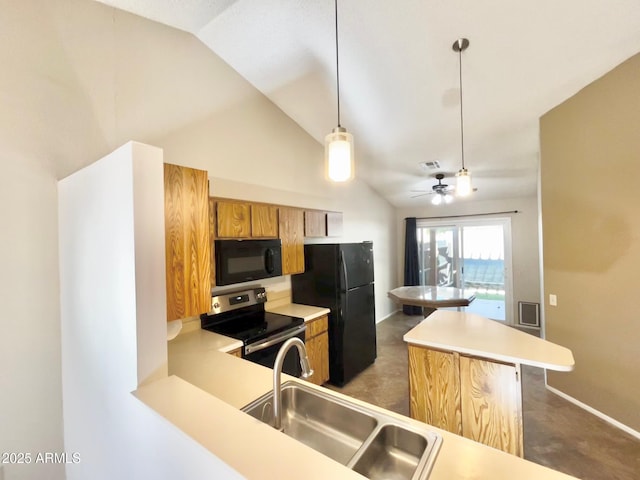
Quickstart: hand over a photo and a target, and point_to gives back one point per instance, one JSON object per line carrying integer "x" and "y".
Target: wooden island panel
{"x": 434, "y": 383}
{"x": 492, "y": 404}
{"x": 474, "y": 397}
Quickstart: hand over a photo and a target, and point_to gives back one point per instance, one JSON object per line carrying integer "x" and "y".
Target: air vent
{"x": 435, "y": 165}
{"x": 529, "y": 314}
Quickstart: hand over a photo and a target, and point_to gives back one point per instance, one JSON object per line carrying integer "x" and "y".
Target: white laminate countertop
{"x": 206, "y": 388}
{"x": 476, "y": 335}
{"x": 306, "y": 312}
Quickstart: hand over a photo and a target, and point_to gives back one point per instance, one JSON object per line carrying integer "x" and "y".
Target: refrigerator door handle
{"x": 344, "y": 271}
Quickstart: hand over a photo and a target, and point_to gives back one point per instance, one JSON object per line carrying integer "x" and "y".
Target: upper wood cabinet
{"x": 264, "y": 221}
{"x": 233, "y": 219}
{"x": 322, "y": 224}
{"x": 212, "y": 236}
{"x": 315, "y": 223}
{"x": 187, "y": 241}
{"x": 292, "y": 235}
{"x": 334, "y": 224}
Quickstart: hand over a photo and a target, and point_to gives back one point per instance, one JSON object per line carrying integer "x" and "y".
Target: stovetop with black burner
{"x": 249, "y": 326}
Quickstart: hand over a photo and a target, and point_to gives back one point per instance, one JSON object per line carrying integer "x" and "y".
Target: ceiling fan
{"x": 441, "y": 191}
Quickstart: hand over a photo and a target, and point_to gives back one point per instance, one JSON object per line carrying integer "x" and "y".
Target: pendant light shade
{"x": 463, "y": 177}
{"x": 338, "y": 145}
{"x": 463, "y": 182}
{"x": 338, "y": 153}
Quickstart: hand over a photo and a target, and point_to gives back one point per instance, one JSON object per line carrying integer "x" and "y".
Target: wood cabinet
{"x": 291, "y": 227}
{"x": 317, "y": 343}
{"x": 187, "y": 241}
{"x": 233, "y": 219}
{"x": 434, "y": 383}
{"x": 322, "y": 224}
{"x": 212, "y": 237}
{"x": 491, "y": 396}
{"x": 478, "y": 398}
{"x": 236, "y": 353}
{"x": 238, "y": 219}
{"x": 334, "y": 224}
{"x": 264, "y": 221}
{"x": 315, "y": 223}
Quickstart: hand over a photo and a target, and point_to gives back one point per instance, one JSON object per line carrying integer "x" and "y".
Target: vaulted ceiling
{"x": 399, "y": 75}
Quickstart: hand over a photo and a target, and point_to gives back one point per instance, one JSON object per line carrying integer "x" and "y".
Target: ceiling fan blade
{"x": 422, "y": 194}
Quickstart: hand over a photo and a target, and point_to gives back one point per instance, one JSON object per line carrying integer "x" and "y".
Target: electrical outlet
{"x": 553, "y": 300}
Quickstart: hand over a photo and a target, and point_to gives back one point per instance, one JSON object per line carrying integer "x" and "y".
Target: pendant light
{"x": 338, "y": 145}
{"x": 463, "y": 177}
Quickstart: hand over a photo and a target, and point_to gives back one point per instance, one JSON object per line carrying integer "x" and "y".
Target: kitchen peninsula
{"x": 205, "y": 404}
{"x": 464, "y": 375}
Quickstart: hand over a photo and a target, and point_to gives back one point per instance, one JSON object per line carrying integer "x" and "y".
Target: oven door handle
{"x": 256, "y": 347}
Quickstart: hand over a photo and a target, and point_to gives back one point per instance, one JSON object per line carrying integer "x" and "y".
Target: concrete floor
{"x": 557, "y": 434}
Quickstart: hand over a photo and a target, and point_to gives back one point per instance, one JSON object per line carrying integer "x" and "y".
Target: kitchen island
{"x": 431, "y": 297}
{"x": 464, "y": 375}
{"x": 207, "y": 387}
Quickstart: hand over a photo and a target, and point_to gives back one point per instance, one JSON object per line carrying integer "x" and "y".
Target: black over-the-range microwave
{"x": 246, "y": 260}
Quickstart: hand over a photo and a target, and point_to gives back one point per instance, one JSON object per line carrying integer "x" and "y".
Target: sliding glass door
{"x": 473, "y": 255}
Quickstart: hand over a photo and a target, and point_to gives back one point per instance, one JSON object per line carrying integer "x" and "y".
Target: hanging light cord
{"x": 461, "y": 117}
{"x": 337, "y": 64}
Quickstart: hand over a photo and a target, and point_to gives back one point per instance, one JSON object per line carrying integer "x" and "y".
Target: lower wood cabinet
{"x": 236, "y": 353}
{"x": 317, "y": 343}
{"x": 477, "y": 398}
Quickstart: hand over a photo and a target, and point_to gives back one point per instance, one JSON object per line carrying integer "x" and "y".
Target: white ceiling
{"x": 399, "y": 75}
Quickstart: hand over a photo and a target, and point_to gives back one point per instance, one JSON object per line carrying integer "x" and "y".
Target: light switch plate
{"x": 553, "y": 300}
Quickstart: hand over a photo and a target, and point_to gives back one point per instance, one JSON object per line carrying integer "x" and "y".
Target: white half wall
{"x": 113, "y": 311}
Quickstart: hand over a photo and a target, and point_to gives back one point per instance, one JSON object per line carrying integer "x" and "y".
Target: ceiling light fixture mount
{"x": 441, "y": 191}
{"x": 338, "y": 145}
{"x": 463, "y": 177}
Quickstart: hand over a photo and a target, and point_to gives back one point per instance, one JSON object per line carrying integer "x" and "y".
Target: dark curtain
{"x": 411, "y": 262}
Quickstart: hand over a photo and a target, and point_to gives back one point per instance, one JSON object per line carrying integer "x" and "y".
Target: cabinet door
{"x": 264, "y": 221}
{"x": 233, "y": 219}
{"x": 334, "y": 224}
{"x": 291, "y": 222}
{"x": 318, "y": 353}
{"x": 315, "y": 224}
{"x": 187, "y": 261}
{"x": 492, "y": 404}
{"x": 212, "y": 237}
{"x": 434, "y": 385}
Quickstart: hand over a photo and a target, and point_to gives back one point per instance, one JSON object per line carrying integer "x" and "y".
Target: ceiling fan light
{"x": 448, "y": 198}
{"x": 463, "y": 183}
{"x": 437, "y": 199}
{"x": 338, "y": 155}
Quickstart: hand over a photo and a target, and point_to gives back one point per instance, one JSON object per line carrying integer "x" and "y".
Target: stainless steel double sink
{"x": 369, "y": 442}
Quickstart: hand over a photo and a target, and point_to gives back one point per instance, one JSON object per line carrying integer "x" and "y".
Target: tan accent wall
{"x": 590, "y": 191}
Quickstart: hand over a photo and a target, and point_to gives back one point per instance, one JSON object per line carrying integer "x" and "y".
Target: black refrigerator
{"x": 339, "y": 276}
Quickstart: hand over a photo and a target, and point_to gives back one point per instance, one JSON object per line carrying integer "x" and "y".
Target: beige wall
{"x": 524, "y": 236}
{"x": 590, "y": 166}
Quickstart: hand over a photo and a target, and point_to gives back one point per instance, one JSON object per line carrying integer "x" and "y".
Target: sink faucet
{"x": 277, "y": 372}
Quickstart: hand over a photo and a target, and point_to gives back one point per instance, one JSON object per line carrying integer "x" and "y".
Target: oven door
{"x": 240, "y": 261}
{"x": 264, "y": 352}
